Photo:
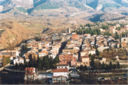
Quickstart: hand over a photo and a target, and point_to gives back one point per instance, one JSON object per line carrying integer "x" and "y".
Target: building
{"x": 43, "y": 53}
{"x": 18, "y": 60}
{"x": 92, "y": 52}
{"x": 70, "y": 59}
{"x": 44, "y": 76}
{"x": 59, "y": 79}
{"x": 13, "y": 53}
{"x": 124, "y": 41}
{"x": 84, "y": 53}
{"x": 102, "y": 48}
{"x": 63, "y": 65}
{"x": 60, "y": 75}
{"x": 1, "y": 61}
{"x": 30, "y": 56}
{"x": 104, "y": 60}
{"x": 61, "y": 72}
{"x": 75, "y": 36}
{"x": 55, "y": 50}
{"x": 65, "y": 57}
{"x": 85, "y": 61}
{"x": 30, "y": 73}
{"x": 112, "y": 29}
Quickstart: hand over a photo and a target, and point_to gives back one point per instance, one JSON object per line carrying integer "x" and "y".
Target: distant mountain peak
{"x": 23, "y": 3}
{"x": 32, "y": 5}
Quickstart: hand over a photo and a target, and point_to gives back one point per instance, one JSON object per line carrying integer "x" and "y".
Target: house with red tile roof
{"x": 60, "y": 75}
{"x": 63, "y": 65}
{"x": 65, "y": 70}
{"x": 69, "y": 58}
{"x": 30, "y": 73}
{"x": 75, "y": 36}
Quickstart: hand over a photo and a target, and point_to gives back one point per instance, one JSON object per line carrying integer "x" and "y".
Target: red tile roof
{"x": 85, "y": 57}
{"x": 60, "y": 70}
{"x": 62, "y": 63}
{"x": 75, "y": 36}
{"x": 66, "y": 57}
{"x": 29, "y": 70}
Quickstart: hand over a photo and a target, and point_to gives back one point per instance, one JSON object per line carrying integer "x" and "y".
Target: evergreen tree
{"x": 103, "y": 66}
{"x": 95, "y": 43}
{"x": 118, "y": 65}
{"x": 88, "y": 25}
{"x": 92, "y": 63}
{"x": 116, "y": 36}
{"x": 46, "y": 62}
{"x": 110, "y": 66}
{"x": 105, "y": 27}
{"x": 107, "y": 33}
{"x": 39, "y": 63}
{"x": 97, "y": 52}
{"x": 56, "y": 60}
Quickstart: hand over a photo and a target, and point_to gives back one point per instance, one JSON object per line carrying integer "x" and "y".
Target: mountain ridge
{"x": 32, "y": 5}
{"x": 88, "y": 9}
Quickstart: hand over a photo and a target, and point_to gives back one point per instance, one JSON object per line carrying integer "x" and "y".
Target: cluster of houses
{"x": 114, "y": 29}
{"x": 78, "y": 49}
{"x": 75, "y": 53}
{"x": 44, "y": 48}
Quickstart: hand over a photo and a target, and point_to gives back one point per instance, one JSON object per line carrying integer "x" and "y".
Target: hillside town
{"x": 63, "y": 57}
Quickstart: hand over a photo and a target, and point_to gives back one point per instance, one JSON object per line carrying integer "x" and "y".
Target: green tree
{"x": 56, "y": 60}
{"x": 107, "y": 33}
{"x": 110, "y": 66}
{"x": 97, "y": 52}
{"x": 39, "y": 63}
{"x": 105, "y": 27}
{"x": 103, "y": 66}
{"x": 92, "y": 63}
{"x": 118, "y": 28}
{"x": 116, "y": 36}
{"x": 88, "y": 25}
{"x": 24, "y": 49}
{"x": 46, "y": 63}
{"x": 118, "y": 65}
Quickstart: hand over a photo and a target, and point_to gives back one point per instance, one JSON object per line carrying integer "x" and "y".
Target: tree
{"x": 92, "y": 63}
{"x": 116, "y": 36}
{"x": 107, "y": 33}
{"x": 97, "y": 52}
{"x": 16, "y": 66}
{"x": 39, "y": 63}
{"x": 103, "y": 66}
{"x": 46, "y": 63}
{"x": 95, "y": 43}
{"x": 110, "y": 66}
{"x": 56, "y": 60}
{"x": 24, "y": 49}
{"x": 105, "y": 27}
{"x": 118, "y": 65}
{"x": 21, "y": 66}
{"x": 118, "y": 28}
{"x": 88, "y": 25}
{"x": 82, "y": 68}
